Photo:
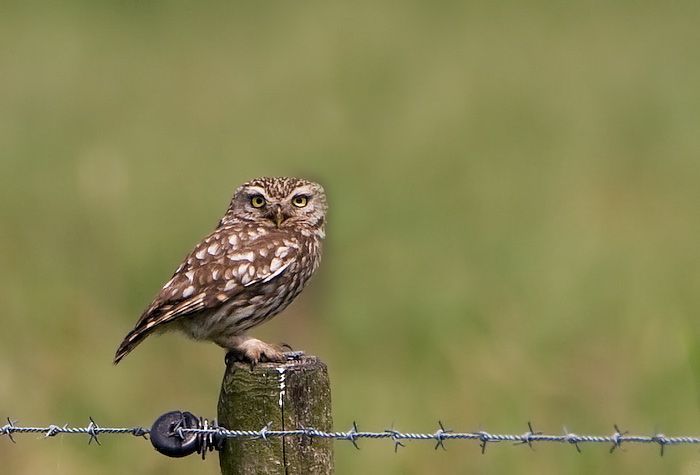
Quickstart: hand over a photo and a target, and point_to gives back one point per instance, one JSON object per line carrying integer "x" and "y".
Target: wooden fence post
{"x": 286, "y": 396}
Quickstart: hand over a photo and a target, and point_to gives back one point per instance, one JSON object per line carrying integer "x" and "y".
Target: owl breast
{"x": 258, "y": 302}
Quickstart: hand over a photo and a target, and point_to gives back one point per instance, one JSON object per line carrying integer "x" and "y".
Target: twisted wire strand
{"x": 440, "y": 436}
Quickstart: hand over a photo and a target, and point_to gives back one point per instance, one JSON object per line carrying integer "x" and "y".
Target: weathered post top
{"x": 282, "y": 396}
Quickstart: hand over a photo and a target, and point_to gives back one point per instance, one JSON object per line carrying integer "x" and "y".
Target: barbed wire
{"x": 439, "y": 437}
{"x": 92, "y": 429}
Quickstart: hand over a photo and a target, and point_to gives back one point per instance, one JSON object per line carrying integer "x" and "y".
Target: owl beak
{"x": 279, "y": 216}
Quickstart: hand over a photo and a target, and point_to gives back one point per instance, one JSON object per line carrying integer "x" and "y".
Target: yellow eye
{"x": 257, "y": 201}
{"x": 300, "y": 201}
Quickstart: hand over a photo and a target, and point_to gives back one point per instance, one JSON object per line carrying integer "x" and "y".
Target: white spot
{"x": 245, "y": 279}
{"x": 252, "y": 234}
{"x": 242, "y": 256}
{"x": 230, "y": 285}
{"x": 263, "y": 252}
{"x": 275, "y": 264}
{"x": 215, "y": 274}
{"x": 242, "y": 269}
{"x": 150, "y": 324}
{"x": 214, "y": 248}
{"x": 187, "y": 292}
{"x": 190, "y": 275}
{"x": 200, "y": 254}
{"x": 233, "y": 239}
{"x": 277, "y": 272}
{"x": 251, "y": 271}
{"x": 282, "y": 252}
{"x": 290, "y": 243}
{"x": 169, "y": 283}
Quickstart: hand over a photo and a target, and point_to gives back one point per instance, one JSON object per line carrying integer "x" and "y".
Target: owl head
{"x": 280, "y": 202}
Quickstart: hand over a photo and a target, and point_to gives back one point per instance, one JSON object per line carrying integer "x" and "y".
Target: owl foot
{"x": 291, "y": 354}
{"x": 254, "y": 351}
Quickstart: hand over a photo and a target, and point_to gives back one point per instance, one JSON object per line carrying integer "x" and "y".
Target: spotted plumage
{"x": 250, "y": 268}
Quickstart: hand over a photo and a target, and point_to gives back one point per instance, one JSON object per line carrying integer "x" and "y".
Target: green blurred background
{"x": 513, "y": 230}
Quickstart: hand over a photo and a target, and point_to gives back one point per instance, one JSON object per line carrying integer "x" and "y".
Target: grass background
{"x": 513, "y": 231}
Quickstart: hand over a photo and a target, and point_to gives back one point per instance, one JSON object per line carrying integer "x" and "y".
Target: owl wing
{"x": 217, "y": 270}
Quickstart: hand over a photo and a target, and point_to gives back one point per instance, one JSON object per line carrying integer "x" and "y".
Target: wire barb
{"x": 395, "y": 436}
{"x": 485, "y": 438}
{"x": 139, "y": 432}
{"x": 93, "y": 431}
{"x": 661, "y": 440}
{"x": 526, "y": 438}
{"x": 351, "y": 435}
{"x": 7, "y": 430}
{"x": 572, "y": 438}
{"x": 617, "y": 438}
{"x": 263, "y": 432}
{"x": 440, "y": 436}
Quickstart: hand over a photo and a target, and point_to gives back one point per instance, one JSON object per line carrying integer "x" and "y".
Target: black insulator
{"x": 168, "y": 439}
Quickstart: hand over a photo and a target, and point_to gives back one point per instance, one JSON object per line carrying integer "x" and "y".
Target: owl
{"x": 249, "y": 269}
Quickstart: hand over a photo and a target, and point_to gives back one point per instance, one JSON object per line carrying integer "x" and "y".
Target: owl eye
{"x": 257, "y": 201}
{"x": 300, "y": 201}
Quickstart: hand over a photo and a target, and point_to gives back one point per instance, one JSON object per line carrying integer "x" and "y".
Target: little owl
{"x": 249, "y": 269}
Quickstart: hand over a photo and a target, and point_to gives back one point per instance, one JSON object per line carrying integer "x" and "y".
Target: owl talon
{"x": 234, "y": 356}
{"x": 254, "y": 351}
{"x": 293, "y": 355}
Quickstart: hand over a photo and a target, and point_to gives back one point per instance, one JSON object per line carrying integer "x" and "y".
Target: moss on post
{"x": 285, "y": 396}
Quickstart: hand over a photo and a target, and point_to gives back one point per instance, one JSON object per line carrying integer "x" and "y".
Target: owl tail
{"x": 130, "y": 342}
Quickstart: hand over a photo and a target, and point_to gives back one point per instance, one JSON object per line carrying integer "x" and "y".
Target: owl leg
{"x": 251, "y": 350}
